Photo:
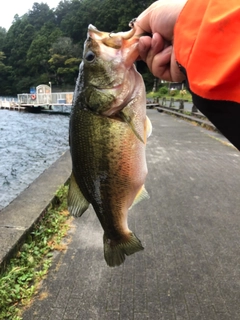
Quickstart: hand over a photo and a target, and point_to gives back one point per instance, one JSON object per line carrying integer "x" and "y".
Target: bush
{"x": 152, "y": 95}
{"x": 163, "y": 90}
{"x": 173, "y": 92}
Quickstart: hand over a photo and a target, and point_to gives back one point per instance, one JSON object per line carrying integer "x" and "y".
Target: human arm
{"x": 206, "y": 39}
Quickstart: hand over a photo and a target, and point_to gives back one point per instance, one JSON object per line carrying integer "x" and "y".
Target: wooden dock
{"x": 43, "y": 100}
{"x": 57, "y": 108}
{"x": 9, "y": 105}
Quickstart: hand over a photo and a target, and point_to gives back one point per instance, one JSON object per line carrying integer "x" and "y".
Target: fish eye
{"x": 90, "y": 56}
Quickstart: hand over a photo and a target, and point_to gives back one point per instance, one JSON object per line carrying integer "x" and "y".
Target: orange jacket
{"x": 207, "y": 45}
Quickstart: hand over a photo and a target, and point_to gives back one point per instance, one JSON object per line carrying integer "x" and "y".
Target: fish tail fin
{"x": 77, "y": 204}
{"x": 114, "y": 252}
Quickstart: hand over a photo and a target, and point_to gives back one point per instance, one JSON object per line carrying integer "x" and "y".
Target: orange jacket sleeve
{"x": 207, "y": 46}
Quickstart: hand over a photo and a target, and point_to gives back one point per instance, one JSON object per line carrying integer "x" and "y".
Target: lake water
{"x": 29, "y": 144}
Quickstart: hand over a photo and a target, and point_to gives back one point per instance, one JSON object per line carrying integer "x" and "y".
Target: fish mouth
{"x": 126, "y": 42}
{"x": 110, "y": 39}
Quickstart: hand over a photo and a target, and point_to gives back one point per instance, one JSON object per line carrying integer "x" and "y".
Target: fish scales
{"x": 108, "y": 147}
{"x": 103, "y": 154}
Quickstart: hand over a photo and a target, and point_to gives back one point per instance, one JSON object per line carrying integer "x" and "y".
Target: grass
{"x": 176, "y": 96}
{"x": 21, "y": 278}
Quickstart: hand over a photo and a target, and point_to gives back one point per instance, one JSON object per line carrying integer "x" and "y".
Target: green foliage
{"x": 39, "y": 51}
{"x": 40, "y": 14}
{"x": 153, "y": 95}
{"x": 173, "y": 92}
{"x": 34, "y": 39}
{"x": 163, "y": 90}
{"x": 64, "y": 61}
{"x": 3, "y": 33}
{"x": 5, "y": 72}
{"x": 19, "y": 281}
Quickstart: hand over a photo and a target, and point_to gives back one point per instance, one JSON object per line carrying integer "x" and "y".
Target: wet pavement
{"x": 190, "y": 228}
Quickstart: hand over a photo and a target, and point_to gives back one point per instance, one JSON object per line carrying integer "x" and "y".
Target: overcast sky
{"x": 11, "y": 7}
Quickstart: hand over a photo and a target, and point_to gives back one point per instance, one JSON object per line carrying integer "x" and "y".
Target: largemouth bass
{"x": 107, "y": 135}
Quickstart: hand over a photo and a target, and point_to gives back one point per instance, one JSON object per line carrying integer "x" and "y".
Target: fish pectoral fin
{"x": 142, "y": 194}
{"x": 148, "y": 127}
{"x": 77, "y": 204}
{"x": 128, "y": 119}
{"x": 114, "y": 253}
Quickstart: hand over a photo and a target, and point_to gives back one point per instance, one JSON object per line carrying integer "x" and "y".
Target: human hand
{"x": 157, "y": 51}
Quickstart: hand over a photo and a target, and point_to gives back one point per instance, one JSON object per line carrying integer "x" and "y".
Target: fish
{"x": 108, "y": 131}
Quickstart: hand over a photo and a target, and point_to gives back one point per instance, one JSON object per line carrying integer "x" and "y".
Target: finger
{"x": 164, "y": 66}
{"x": 157, "y": 45}
{"x": 144, "y": 45}
{"x": 176, "y": 74}
{"x": 148, "y": 47}
{"x": 160, "y": 64}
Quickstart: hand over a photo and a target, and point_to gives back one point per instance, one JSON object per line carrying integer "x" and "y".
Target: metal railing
{"x": 41, "y": 99}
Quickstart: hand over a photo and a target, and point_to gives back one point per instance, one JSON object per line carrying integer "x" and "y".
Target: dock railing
{"x": 45, "y": 99}
{"x": 8, "y": 102}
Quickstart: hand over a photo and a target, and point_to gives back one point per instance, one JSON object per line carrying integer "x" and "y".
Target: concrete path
{"x": 190, "y": 228}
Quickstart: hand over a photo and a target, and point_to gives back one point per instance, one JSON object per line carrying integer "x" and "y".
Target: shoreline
{"x": 18, "y": 218}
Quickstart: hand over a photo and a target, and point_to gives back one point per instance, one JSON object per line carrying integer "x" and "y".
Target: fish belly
{"x": 109, "y": 167}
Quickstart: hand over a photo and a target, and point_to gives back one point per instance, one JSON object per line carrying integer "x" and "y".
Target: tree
{"x": 16, "y": 44}
{"x": 64, "y": 61}
{"x": 63, "y": 8}
{"x": 46, "y": 44}
{"x": 40, "y": 14}
{"x": 3, "y": 33}
{"x": 38, "y": 53}
{"x": 5, "y": 73}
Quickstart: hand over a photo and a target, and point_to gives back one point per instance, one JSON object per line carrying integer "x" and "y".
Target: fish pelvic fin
{"x": 148, "y": 127}
{"x": 141, "y": 195}
{"x": 77, "y": 204}
{"x": 114, "y": 253}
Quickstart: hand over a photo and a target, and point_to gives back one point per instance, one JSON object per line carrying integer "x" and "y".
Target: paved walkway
{"x": 190, "y": 228}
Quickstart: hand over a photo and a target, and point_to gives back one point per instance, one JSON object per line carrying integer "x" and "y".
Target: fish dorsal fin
{"x": 128, "y": 119}
{"x": 77, "y": 204}
{"x": 142, "y": 194}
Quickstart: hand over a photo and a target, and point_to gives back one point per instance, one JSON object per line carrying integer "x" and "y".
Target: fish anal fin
{"x": 141, "y": 195}
{"x": 77, "y": 204}
{"x": 114, "y": 253}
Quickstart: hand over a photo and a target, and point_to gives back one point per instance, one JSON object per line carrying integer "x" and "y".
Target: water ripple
{"x": 29, "y": 143}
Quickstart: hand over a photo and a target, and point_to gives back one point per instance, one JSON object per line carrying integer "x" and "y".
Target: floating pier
{"x": 10, "y": 105}
{"x": 42, "y": 100}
